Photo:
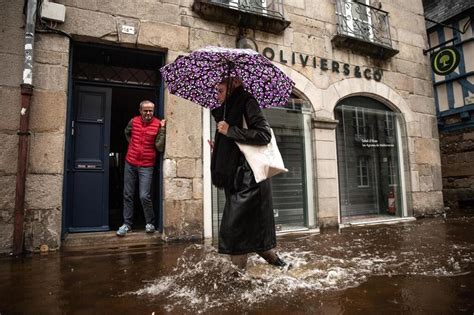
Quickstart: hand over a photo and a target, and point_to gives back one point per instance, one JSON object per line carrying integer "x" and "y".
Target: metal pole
{"x": 26, "y": 92}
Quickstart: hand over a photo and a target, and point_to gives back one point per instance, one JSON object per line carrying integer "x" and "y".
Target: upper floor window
{"x": 359, "y": 20}
{"x": 364, "y": 28}
{"x": 255, "y": 6}
{"x": 264, "y": 15}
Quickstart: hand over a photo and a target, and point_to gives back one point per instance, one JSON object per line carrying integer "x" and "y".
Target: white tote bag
{"x": 264, "y": 160}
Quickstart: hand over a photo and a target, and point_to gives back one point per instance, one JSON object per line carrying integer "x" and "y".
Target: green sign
{"x": 445, "y": 60}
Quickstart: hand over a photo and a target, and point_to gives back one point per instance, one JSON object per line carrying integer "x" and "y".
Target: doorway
{"x": 125, "y": 102}
{"x": 108, "y": 84}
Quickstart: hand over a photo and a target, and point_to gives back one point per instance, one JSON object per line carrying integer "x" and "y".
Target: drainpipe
{"x": 23, "y": 133}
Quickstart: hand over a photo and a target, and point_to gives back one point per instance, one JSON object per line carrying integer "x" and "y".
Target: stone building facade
{"x": 307, "y": 44}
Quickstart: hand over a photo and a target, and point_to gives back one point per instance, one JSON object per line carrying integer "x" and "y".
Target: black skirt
{"x": 247, "y": 223}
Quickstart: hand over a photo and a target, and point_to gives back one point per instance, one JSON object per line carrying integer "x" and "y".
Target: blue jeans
{"x": 145, "y": 177}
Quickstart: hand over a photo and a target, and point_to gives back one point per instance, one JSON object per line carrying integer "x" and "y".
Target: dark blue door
{"x": 89, "y": 165}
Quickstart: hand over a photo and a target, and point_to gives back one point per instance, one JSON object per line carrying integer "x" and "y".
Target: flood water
{"x": 426, "y": 266}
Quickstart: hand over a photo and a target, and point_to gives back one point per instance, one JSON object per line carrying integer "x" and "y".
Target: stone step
{"x": 109, "y": 240}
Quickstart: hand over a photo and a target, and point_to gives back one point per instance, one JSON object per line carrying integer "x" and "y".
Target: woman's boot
{"x": 272, "y": 258}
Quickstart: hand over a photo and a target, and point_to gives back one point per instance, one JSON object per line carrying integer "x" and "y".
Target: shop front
{"x": 371, "y": 146}
{"x": 359, "y": 135}
{"x": 348, "y": 157}
{"x": 292, "y": 192}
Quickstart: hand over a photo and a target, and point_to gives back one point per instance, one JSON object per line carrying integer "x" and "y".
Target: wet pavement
{"x": 426, "y": 266}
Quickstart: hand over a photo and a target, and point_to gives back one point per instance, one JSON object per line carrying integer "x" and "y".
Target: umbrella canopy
{"x": 195, "y": 77}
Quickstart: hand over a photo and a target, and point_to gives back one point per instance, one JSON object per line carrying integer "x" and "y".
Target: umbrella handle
{"x": 230, "y": 66}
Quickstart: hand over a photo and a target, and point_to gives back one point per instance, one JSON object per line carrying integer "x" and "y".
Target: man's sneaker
{"x": 150, "y": 228}
{"x": 123, "y": 230}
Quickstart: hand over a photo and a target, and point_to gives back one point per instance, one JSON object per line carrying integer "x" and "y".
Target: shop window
{"x": 369, "y": 169}
{"x": 293, "y": 191}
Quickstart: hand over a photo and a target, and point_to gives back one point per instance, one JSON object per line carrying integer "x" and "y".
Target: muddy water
{"x": 424, "y": 266}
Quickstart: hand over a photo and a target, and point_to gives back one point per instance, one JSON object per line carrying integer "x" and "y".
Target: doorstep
{"x": 375, "y": 221}
{"x": 110, "y": 241}
{"x": 298, "y": 231}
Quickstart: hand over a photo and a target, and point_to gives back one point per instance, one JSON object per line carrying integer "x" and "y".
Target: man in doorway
{"x": 145, "y": 135}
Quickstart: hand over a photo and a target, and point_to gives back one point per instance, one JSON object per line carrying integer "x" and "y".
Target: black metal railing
{"x": 263, "y": 15}
{"x": 269, "y": 8}
{"x": 362, "y": 21}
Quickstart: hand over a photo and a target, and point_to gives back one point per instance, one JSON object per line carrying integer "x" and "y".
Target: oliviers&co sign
{"x": 323, "y": 63}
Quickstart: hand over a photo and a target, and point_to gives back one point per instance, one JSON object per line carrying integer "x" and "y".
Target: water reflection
{"x": 422, "y": 266}
{"x": 204, "y": 280}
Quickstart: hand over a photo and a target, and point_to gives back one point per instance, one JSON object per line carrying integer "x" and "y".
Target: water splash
{"x": 204, "y": 280}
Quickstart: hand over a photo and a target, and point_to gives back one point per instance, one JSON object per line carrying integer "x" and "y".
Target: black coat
{"x": 247, "y": 223}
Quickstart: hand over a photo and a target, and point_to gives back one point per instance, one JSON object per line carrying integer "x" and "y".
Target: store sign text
{"x": 323, "y": 63}
{"x": 374, "y": 143}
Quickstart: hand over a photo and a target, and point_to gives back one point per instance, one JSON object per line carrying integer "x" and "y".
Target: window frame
{"x": 359, "y": 116}
{"x": 389, "y": 125}
{"x": 392, "y": 174}
{"x": 363, "y": 172}
{"x": 237, "y": 4}
{"x": 362, "y": 4}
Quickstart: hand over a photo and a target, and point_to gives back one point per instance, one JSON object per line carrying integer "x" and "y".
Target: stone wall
{"x": 11, "y": 60}
{"x": 44, "y": 184}
{"x": 183, "y": 191}
{"x": 172, "y": 26}
{"x": 47, "y": 123}
{"x": 457, "y": 157}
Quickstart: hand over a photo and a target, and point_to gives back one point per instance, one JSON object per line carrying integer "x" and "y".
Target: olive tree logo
{"x": 444, "y": 61}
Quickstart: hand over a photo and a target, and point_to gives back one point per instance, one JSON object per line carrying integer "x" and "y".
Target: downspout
{"x": 23, "y": 133}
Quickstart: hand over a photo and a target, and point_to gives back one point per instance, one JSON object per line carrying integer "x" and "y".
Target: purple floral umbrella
{"x": 195, "y": 77}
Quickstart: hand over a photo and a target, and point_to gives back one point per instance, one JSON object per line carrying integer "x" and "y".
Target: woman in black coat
{"x": 247, "y": 223}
